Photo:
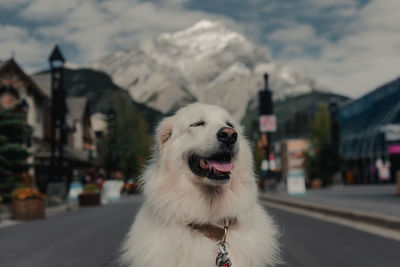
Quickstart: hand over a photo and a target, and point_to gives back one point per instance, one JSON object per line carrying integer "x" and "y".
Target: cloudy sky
{"x": 349, "y": 46}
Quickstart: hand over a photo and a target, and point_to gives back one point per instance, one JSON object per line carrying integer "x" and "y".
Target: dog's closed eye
{"x": 199, "y": 123}
{"x": 229, "y": 124}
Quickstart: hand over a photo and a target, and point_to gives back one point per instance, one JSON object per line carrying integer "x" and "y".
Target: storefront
{"x": 369, "y": 133}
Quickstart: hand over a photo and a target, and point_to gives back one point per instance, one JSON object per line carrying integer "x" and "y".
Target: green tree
{"x": 127, "y": 144}
{"x": 14, "y": 133}
{"x": 322, "y": 160}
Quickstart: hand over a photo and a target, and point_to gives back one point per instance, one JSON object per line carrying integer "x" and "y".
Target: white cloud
{"x": 17, "y": 41}
{"x": 9, "y": 4}
{"x": 98, "y": 28}
{"x": 296, "y": 40}
{"x": 332, "y": 3}
{"x": 303, "y": 34}
{"x": 54, "y": 10}
{"x": 367, "y": 56}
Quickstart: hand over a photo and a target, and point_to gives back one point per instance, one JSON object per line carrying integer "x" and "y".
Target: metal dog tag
{"x": 222, "y": 259}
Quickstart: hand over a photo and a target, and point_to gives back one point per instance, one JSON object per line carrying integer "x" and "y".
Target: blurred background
{"x": 315, "y": 83}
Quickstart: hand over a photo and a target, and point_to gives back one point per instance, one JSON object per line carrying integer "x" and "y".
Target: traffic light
{"x": 265, "y": 99}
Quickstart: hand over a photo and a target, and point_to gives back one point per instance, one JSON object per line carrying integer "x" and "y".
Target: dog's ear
{"x": 164, "y": 131}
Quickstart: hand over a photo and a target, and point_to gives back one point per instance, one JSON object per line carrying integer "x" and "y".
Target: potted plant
{"x": 27, "y": 204}
{"x": 90, "y": 196}
{"x": 316, "y": 183}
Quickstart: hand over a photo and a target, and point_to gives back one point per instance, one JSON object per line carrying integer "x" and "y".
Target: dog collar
{"x": 214, "y": 231}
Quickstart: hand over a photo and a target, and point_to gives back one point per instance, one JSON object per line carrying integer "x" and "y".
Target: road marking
{"x": 366, "y": 227}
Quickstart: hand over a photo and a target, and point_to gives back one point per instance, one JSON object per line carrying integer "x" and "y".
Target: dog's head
{"x": 202, "y": 167}
{"x": 203, "y": 141}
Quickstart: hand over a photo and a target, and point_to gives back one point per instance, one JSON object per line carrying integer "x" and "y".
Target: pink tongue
{"x": 219, "y": 166}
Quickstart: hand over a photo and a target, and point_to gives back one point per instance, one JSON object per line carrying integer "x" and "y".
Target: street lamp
{"x": 58, "y": 111}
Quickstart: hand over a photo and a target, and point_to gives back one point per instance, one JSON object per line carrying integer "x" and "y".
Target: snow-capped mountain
{"x": 206, "y": 62}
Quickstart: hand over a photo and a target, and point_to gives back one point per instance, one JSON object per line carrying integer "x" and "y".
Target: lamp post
{"x": 267, "y": 120}
{"x": 111, "y": 146}
{"x": 58, "y": 111}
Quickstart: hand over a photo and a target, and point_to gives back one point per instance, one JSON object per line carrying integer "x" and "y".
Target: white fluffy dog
{"x": 199, "y": 180}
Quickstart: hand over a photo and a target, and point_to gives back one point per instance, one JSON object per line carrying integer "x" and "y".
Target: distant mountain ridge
{"x": 206, "y": 62}
{"x": 98, "y": 88}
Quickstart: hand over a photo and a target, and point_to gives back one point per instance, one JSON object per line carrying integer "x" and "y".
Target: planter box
{"x": 89, "y": 199}
{"x": 316, "y": 183}
{"x": 29, "y": 209}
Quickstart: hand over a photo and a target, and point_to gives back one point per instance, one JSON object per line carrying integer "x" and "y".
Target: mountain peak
{"x": 200, "y": 40}
{"x": 204, "y": 24}
{"x": 204, "y": 62}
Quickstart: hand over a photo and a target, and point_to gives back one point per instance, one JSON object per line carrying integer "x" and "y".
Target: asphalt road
{"x": 88, "y": 237}
{"x": 310, "y": 242}
{"x": 91, "y": 237}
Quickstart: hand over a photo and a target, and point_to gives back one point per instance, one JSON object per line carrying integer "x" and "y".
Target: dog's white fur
{"x": 175, "y": 197}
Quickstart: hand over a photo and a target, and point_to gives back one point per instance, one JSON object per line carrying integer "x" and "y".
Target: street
{"x": 311, "y": 242}
{"x": 91, "y": 237}
{"x": 86, "y": 237}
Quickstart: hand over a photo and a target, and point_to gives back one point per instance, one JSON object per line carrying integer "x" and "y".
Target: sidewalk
{"x": 375, "y": 204}
{"x": 5, "y": 215}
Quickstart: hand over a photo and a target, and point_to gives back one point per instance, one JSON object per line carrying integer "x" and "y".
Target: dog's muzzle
{"x": 216, "y": 168}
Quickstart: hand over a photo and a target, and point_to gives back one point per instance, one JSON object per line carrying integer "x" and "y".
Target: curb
{"x": 5, "y": 214}
{"x": 385, "y": 221}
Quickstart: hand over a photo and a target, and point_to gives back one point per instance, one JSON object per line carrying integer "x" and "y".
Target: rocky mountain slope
{"x": 206, "y": 62}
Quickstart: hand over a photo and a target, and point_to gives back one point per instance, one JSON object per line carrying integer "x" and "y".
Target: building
{"x": 370, "y": 135}
{"x": 33, "y": 96}
{"x": 80, "y": 153}
{"x": 18, "y": 90}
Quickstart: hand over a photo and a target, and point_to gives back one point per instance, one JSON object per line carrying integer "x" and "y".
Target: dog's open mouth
{"x": 216, "y": 168}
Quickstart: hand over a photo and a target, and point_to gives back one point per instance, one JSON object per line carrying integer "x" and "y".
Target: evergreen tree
{"x": 14, "y": 133}
{"x": 127, "y": 144}
{"x": 322, "y": 159}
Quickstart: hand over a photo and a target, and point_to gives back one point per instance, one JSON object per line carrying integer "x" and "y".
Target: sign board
{"x": 392, "y": 132}
{"x": 56, "y": 193}
{"x": 384, "y": 172}
{"x": 295, "y": 153}
{"x": 293, "y": 158}
{"x": 111, "y": 191}
{"x": 383, "y": 168}
{"x": 75, "y": 188}
{"x": 264, "y": 165}
{"x": 394, "y": 149}
{"x": 267, "y": 123}
{"x": 296, "y": 184}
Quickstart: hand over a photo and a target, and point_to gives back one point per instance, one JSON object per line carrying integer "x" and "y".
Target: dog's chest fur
{"x": 153, "y": 243}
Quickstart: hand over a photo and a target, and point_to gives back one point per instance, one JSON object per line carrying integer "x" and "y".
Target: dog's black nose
{"x": 227, "y": 135}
